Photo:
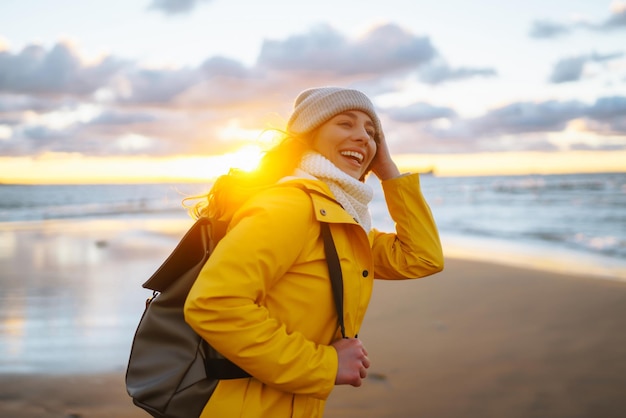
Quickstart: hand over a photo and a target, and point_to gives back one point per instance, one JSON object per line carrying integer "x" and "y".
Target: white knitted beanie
{"x": 315, "y": 106}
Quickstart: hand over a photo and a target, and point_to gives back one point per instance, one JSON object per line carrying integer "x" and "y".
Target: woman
{"x": 264, "y": 299}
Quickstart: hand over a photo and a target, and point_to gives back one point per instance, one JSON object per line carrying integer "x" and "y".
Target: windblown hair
{"x": 278, "y": 162}
{"x": 238, "y": 185}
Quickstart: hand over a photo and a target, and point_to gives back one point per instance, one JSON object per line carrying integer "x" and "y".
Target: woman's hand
{"x": 383, "y": 166}
{"x": 353, "y": 361}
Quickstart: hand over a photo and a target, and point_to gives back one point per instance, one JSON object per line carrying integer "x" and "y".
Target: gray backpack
{"x": 172, "y": 372}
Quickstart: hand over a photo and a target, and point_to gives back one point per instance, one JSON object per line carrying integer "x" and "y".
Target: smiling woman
{"x": 253, "y": 299}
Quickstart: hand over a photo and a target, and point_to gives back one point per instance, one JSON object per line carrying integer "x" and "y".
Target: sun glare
{"x": 246, "y": 158}
{"x": 208, "y": 168}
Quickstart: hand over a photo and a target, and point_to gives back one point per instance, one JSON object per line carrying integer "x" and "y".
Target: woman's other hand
{"x": 353, "y": 361}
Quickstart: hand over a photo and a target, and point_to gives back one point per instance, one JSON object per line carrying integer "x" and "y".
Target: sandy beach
{"x": 478, "y": 340}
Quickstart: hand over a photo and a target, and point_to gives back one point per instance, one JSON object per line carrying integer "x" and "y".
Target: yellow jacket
{"x": 264, "y": 298}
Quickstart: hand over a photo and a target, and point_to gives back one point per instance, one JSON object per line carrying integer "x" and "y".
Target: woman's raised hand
{"x": 383, "y": 165}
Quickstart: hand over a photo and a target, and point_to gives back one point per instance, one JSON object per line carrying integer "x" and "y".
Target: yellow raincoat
{"x": 264, "y": 298}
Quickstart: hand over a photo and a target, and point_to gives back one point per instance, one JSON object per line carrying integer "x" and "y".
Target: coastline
{"x": 539, "y": 257}
{"x": 477, "y": 340}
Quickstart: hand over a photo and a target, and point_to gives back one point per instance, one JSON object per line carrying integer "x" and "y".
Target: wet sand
{"x": 478, "y": 340}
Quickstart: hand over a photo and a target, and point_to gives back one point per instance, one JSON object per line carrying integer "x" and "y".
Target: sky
{"x": 157, "y": 90}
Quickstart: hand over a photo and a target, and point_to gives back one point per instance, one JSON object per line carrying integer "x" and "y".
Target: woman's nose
{"x": 362, "y": 135}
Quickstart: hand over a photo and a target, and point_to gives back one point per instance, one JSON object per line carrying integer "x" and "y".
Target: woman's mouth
{"x": 356, "y": 156}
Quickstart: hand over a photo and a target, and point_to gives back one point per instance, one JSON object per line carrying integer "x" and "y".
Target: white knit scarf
{"x": 353, "y": 195}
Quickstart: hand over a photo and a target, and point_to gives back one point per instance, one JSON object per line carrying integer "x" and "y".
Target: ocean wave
{"x": 38, "y": 202}
{"x": 541, "y": 184}
{"x": 581, "y": 212}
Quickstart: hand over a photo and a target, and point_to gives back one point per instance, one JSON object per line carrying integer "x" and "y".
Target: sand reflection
{"x": 71, "y": 295}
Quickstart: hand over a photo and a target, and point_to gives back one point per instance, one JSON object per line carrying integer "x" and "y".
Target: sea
{"x": 580, "y": 214}
{"x": 80, "y": 317}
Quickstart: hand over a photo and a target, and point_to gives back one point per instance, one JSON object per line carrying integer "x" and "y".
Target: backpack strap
{"x": 222, "y": 368}
{"x": 219, "y": 367}
{"x": 334, "y": 270}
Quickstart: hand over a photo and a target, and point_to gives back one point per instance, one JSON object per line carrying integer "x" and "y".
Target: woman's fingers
{"x": 366, "y": 362}
{"x": 353, "y": 361}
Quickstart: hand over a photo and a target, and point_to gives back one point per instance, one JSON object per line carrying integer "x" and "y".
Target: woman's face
{"x": 347, "y": 140}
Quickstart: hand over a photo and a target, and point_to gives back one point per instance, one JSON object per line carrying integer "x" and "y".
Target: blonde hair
{"x": 278, "y": 162}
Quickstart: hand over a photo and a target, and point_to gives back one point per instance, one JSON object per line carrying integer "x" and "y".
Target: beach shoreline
{"x": 168, "y": 228}
{"x": 538, "y": 257}
{"x": 479, "y": 340}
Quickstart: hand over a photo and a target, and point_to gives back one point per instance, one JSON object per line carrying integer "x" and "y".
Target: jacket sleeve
{"x": 225, "y": 305}
{"x": 415, "y": 249}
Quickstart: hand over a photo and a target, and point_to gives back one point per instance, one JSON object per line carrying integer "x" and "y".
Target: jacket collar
{"x": 325, "y": 207}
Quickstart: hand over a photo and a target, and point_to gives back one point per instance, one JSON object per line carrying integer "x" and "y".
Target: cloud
{"x": 571, "y": 69}
{"x": 57, "y": 71}
{"x": 17, "y": 103}
{"x": 320, "y": 56}
{"x": 543, "y": 29}
{"x": 156, "y": 86}
{"x": 175, "y": 7}
{"x": 36, "y": 139}
{"x": 116, "y": 118}
{"x": 386, "y": 48}
{"x": 608, "y": 108}
{"x": 148, "y": 111}
{"x": 35, "y": 72}
{"x": 546, "y": 29}
{"x": 521, "y": 118}
{"x": 617, "y": 20}
{"x": 418, "y": 112}
{"x": 223, "y": 66}
{"x": 440, "y": 72}
{"x": 110, "y": 132}
{"x": 568, "y": 69}
{"x": 520, "y": 126}
{"x": 382, "y": 54}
